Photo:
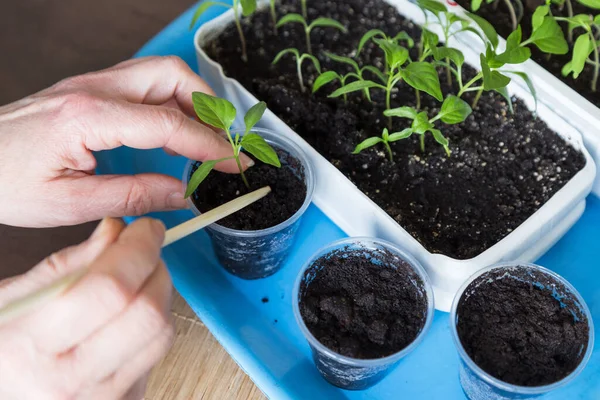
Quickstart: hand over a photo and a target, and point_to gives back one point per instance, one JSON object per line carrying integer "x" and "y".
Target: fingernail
{"x": 248, "y": 162}
{"x": 176, "y": 200}
{"x": 158, "y": 226}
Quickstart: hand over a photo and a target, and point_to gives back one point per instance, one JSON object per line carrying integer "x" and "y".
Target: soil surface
{"x": 288, "y": 193}
{"x": 520, "y": 331}
{"x": 503, "y": 166}
{"x": 500, "y": 19}
{"x": 360, "y": 309}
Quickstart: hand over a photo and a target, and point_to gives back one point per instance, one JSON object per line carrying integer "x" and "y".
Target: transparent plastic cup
{"x": 354, "y": 373}
{"x": 478, "y": 384}
{"x": 260, "y": 253}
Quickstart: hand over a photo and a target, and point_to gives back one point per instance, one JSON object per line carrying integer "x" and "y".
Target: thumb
{"x": 130, "y": 195}
{"x": 62, "y": 262}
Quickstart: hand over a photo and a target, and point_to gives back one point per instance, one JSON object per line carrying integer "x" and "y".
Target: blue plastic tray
{"x": 263, "y": 337}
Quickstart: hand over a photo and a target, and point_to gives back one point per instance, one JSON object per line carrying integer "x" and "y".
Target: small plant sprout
{"x": 248, "y": 8}
{"x": 420, "y": 75}
{"x": 308, "y": 28}
{"x": 299, "y": 61}
{"x": 221, "y": 114}
{"x": 453, "y": 111}
{"x": 358, "y": 73}
{"x": 587, "y": 47}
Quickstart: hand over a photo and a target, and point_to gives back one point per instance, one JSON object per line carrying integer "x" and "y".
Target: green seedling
{"x": 420, "y": 75}
{"x": 308, "y": 28}
{"x": 248, "y": 8}
{"x": 587, "y": 47}
{"x": 358, "y": 73}
{"x": 273, "y": 15}
{"x": 299, "y": 61}
{"x": 304, "y": 10}
{"x": 221, "y": 114}
{"x": 453, "y": 111}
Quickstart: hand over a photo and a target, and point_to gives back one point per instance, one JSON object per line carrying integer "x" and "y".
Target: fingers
{"x": 114, "y": 124}
{"x": 63, "y": 262}
{"x": 146, "y": 320}
{"x": 112, "y": 282}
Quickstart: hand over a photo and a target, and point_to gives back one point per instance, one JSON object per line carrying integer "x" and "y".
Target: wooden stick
{"x": 31, "y": 301}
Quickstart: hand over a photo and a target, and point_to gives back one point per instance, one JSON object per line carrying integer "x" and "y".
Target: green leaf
{"x": 368, "y": 36}
{"x": 259, "y": 148}
{"x": 395, "y": 55}
{"x": 437, "y": 135}
{"x": 365, "y": 144}
{"x": 597, "y": 19}
{"x": 514, "y": 53}
{"x": 248, "y": 7}
{"x": 324, "y": 79}
{"x": 344, "y": 60}
{"x": 312, "y": 58}
{"x": 423, "y": 76}
{"x": 402, "y": 112}
{"x": 492, "y": 79}
{"x": 430, "y": 40}
{"x": 375, "y": 72}
{"x": 214, "y": 111}
{"x": 504, "y": 92}
{"x": 454, "y": 110}
{"x": 355, "y": 86}
{"x": 327, "y": 23}
{"x": 202, "y": 9}
{"x": 283, "y": 53}
{"x": 487, "y": 28}
{"x": 528, "y": 82}
{"x": 403, "y": 134}
{"x": 581, "y": 51}
{"x": 455, "y": 55}
{"x": 549, "y": 37}
{"x": 476, "y": 32}
{"x": 475, "y": 4}
{"x": 595, "y": 4}
{"x": 291, "y": 17}
{"x": 431, "y": 5}
{"x": 200, "y": 175}
{"x": 254, "y": 115}
{"x": 421, "y": 123}
{"x": 404, "y": 36}
{"x": 538, "y": 16}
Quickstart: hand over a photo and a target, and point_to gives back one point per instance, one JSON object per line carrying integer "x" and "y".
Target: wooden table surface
{"x": 43, "y": 41}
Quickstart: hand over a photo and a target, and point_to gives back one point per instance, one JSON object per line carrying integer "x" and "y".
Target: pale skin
{"x": 100, "y": 339}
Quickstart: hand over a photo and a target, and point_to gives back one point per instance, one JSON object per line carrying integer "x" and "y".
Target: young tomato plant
{"x": 587, "y": 47}
{"x": 420, "y": 75}
{"x": 221, "y": 114}
{"x": 248, "y": 8}
{"x": 453, "y": 111}
{"x": 308, "y": 28}
{"x": 358, "y": 73}
{"x": 299, "y": 61}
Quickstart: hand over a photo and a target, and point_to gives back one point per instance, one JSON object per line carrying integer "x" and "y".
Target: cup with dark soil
{"x": 255, "y": 242}
{"x": 362, "y": 305}
{"x": 521, "y": 331}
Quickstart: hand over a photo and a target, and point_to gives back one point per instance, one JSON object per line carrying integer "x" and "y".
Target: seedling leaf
{"x": 202, "y": 9}
{"x": 595, "y": 4}
{"x": 454, "y": 110}
{"x": 423, "y": 76}
{"x": 284, "y": 52}
{"x": 375, "y": 72}
{"x": 549, "y": 37}
{"x": 432, "y": 5}
{"x": 538, "y": 16}
{"x": 259, "y": 148}
{"x": 214, "y": 111}
{"x": 402, "y": 112}
{"x": 200, "y": 175}
{"x": 475, "y": 4}
{"x": 403, "y": 134}
{"x": 529, "y": 84}
{"x": 395, "y": 55}
{"x": 324, "y": 79}
{"x": 455, "y": 55}
{"x": 327, "y": 23}
{"x": 492, "y": 79}
{"x": 581, "y": 51}
{"x": 254, "y": 115}
{"x": 291, "y": 17}
{"x": 487, "y": 28}
{"x": 248, "y": 7}
{"x": 421, "y": 123}
{"x": 342, "y": 59}
{"x": 368, "y": 36}
{"x": 354, "y": 86}
{"x": 437, "y": 135}
{"x": 504, "y": 92}
{"x": 514, "y": 53}
{"x": 404, "y": 36}
{"x": 365, "y": 144}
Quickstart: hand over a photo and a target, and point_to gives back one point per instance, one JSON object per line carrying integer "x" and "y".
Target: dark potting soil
{"x": 516, "y": 330}
{"x": 500, "y": 18}
{"x": 360, "y": 309}
{"x": 288, "y": 192}
{"x": 503, "y": 166}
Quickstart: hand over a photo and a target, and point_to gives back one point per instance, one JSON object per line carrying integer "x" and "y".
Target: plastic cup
{"x": 354, "y": 373}
{"x": 260, "y": 253}
{"x": 478, "y": 384}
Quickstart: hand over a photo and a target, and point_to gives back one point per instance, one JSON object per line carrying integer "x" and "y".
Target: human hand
{"x": 47, "y": 140}
{"x": 100, "y": 338}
